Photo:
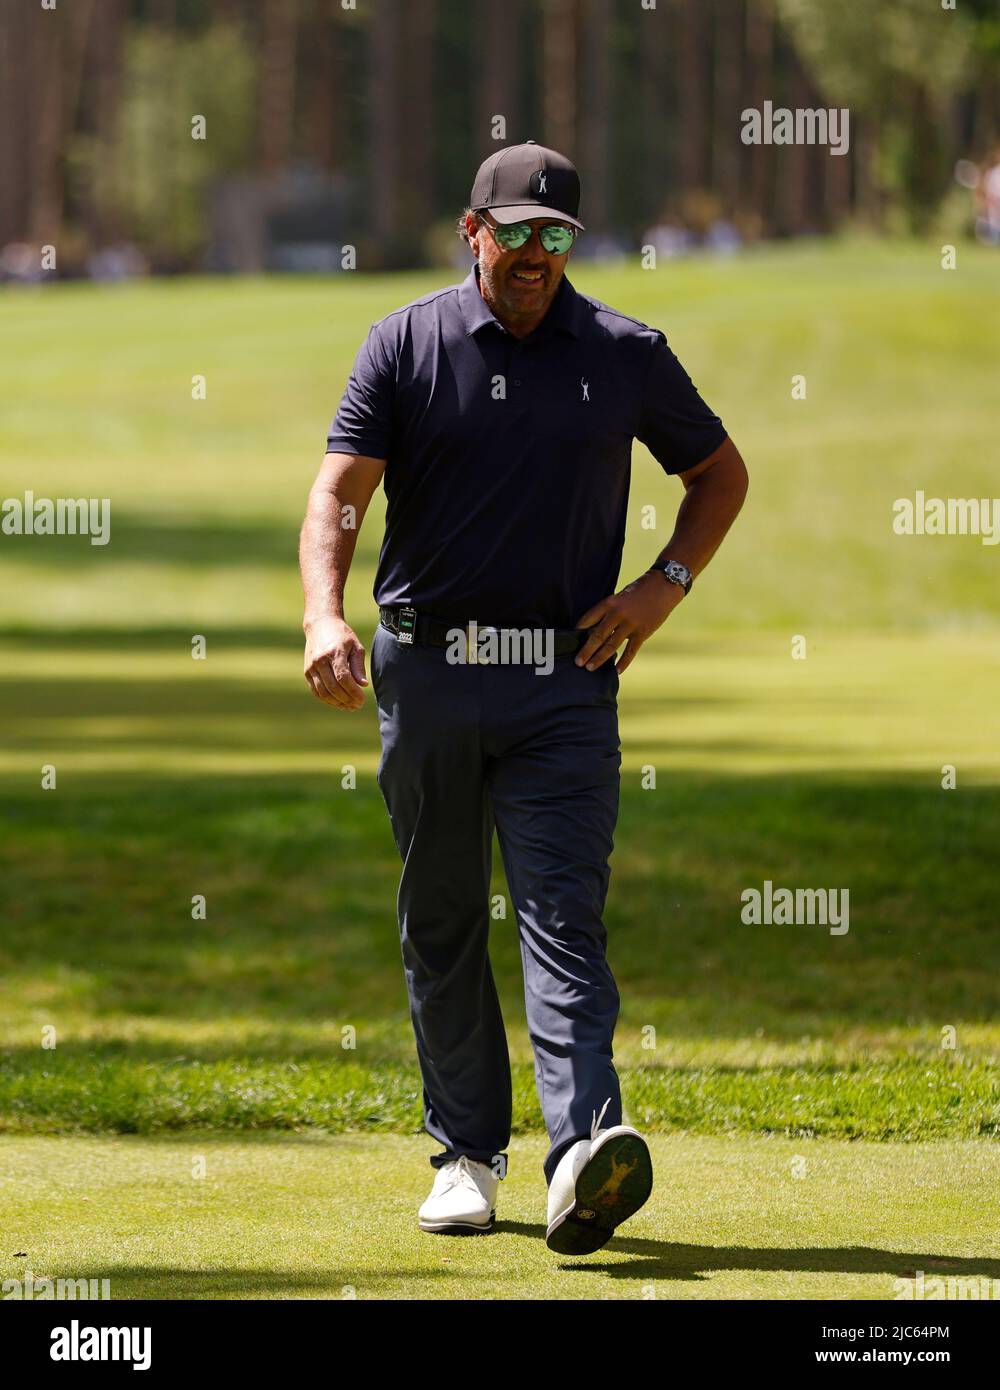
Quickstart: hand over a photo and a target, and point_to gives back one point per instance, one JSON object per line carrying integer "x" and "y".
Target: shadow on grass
{"x": 167, "y": 538}
{"x": 300, "y": 878}
{"x": 161, "y": 637}
{"x": 652, "y": 1259}
{"x": 121, "y": 713}
{"x": 139, "y": 1282}
{"x": 665, "y": 1260}
{"x": 206, "y": 709}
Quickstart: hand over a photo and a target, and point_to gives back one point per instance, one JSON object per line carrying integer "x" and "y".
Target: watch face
{"x": 677, "y": 574}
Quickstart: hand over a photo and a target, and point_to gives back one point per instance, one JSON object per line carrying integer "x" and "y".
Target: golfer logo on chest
{"x": 585, "y": 386}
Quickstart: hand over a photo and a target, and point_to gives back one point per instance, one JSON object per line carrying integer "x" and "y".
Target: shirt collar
{"x": 563, "y": 315}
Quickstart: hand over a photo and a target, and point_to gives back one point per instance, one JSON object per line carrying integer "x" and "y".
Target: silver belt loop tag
{"x": 481, "y": 633}
{"x": 407, "y": 626}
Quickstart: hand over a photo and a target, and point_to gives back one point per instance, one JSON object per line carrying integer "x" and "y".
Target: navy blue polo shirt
{"x": 508, "y": 460}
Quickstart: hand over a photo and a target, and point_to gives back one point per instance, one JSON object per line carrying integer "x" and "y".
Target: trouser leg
{"x": 555, "y": 790}
{"x": 431, "y": 775}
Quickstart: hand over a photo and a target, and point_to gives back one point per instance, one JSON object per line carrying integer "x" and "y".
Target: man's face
{"x": 519, "y": 284}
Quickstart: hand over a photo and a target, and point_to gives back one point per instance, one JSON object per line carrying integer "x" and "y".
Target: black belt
{"x": 408, "y": 626}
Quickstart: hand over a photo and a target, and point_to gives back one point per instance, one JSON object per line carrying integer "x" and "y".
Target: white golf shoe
{"x": 462, "y": 1199}
{"x": 599, "y": 1182}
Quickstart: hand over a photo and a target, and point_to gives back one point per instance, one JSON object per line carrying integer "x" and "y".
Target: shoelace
{"x": 595, "y": 1126}
{"x": 460, "y": 1172}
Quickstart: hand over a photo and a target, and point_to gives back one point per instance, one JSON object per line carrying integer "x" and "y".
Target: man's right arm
{"x": 338, "y": 500}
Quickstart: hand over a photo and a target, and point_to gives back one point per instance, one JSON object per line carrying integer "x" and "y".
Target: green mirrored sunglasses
{"x": 555, "y": 239}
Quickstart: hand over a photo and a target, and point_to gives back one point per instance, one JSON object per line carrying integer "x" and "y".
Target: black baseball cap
{"x": 524, "y": 181}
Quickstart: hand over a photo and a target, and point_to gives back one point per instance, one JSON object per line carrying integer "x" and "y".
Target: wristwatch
{"x": 676, "y": 573}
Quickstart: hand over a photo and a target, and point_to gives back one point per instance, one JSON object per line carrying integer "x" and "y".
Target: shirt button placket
{"x": 515, "y": 359}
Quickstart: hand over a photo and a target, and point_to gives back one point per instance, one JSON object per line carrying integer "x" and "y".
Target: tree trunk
{"x": 46, "y": 125}
{"x": 499, "y": 66}
{"x": 729, "y": 26}
{"x": 760, "y": 52}
{"x": 559, "y": 67}
{"x": 416, "y": 201}
{"x": 596, "y": 118}
{"x": 276, "y": 91}
{"x": 694, "y": 96}
{"x": 102, "y": 59}
{"x": 794, "y": 162}
{"x": 324, "y": 92}
{"x": 384, "y": 107}
{"x": 650, "y": 115}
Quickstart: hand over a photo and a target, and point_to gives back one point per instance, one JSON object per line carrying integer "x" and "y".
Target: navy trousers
{"x": 466, "y": 749}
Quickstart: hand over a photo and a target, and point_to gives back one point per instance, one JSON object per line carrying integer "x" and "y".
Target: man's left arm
{"x": 714, "y": 492}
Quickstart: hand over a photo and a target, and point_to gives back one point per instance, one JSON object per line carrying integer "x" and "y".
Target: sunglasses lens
{"x": 557, "y": 240}
{"x": 513, "y": 235}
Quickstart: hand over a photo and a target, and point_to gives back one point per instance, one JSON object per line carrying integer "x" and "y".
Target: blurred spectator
{"x": 988, "y": 202}
{"x": 669, "y": 238}
{"x": 723, "y": 238}
{"x": 21, "y": 263}
{"x": 596, "y": 246}
{"x": 672, "y": 237}
{"x": 118, "y": 262}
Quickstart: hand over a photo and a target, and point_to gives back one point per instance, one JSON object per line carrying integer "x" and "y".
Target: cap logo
{"x": 537, "y": 182}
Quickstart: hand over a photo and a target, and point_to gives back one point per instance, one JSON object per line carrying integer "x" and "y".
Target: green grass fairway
{"x": 305, "y": 1217}
{"x": 285, "y": 1009}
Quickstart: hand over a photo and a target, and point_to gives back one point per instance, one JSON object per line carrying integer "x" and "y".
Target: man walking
{"x": 501, "y": 413}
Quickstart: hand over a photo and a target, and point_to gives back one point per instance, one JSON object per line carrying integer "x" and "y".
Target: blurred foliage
{"x": 862, "y": 53}
{"x": 896, "y": 65}
{"x": 156, "y": 184}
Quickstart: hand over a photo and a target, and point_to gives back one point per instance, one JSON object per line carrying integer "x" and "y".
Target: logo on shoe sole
{"x": 607, "y": 1194}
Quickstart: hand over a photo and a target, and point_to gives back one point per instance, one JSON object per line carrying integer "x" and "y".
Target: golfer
{"x": 500, "y": 413}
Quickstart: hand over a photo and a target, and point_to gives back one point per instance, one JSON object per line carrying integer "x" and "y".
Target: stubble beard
{"x": 498, "y": 299}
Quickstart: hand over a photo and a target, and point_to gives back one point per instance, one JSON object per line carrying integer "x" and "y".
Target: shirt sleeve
{"x": 676, "y": 425}
{"x": 363, "y": 422}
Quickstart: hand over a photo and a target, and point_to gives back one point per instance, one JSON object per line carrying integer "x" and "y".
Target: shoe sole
{"x": 604, "y": 1198}
{"x": 457, "y": 1228}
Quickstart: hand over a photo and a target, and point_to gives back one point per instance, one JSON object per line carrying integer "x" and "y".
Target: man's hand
{"x": 632, "y": 616}
{"x": 335, "y": 664}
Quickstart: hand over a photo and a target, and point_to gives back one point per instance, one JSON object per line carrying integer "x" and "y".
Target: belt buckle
{"x": 407, "y": 623}
{"x": 472, "y": 647}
